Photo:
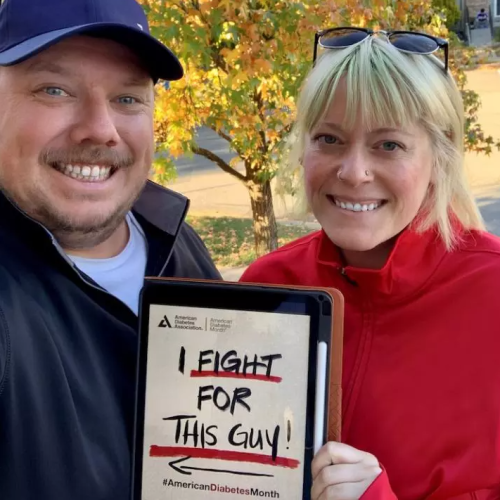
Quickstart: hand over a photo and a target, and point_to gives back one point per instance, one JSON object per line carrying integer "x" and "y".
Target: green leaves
{"x": 163, "y": 169}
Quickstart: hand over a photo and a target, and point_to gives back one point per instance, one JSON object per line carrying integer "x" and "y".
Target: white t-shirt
{"x": 123, "y": 275}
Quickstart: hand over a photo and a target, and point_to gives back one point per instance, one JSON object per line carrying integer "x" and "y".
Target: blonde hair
{"x": 394, "y": 89}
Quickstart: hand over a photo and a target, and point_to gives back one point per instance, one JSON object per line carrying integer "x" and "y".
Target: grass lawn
{"x": 230, "y": 240}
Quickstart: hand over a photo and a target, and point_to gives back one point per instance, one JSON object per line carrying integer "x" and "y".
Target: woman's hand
{"x": 341, "y": 472}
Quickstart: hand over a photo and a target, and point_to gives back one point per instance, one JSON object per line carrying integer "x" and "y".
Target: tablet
{"x": 234, "y": 389}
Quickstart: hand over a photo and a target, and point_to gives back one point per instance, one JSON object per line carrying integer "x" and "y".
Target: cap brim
{"x": 157, "y": 58}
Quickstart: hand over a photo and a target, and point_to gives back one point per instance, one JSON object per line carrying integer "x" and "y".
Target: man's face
{"x": 76, "y": 137}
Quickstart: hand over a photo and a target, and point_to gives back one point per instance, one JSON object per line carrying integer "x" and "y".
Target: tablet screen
{"x": 225, "y": 404}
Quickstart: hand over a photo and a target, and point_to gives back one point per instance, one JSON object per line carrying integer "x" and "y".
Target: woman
{"x": 379, "y": 134}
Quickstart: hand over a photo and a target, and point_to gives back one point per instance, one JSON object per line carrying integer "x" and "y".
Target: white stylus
{"x": 319, "y": 407}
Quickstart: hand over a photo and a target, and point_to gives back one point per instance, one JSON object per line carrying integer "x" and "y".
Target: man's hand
{"x": 341, "y": 472}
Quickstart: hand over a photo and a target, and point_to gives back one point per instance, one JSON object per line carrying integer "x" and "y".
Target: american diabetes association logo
{"x": 193, "y": 322}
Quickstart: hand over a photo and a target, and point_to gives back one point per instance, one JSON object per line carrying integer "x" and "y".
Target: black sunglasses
{"x": 406, "y": 41}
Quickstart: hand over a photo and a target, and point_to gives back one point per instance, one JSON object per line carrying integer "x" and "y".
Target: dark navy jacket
{"x": 68, "y": 356}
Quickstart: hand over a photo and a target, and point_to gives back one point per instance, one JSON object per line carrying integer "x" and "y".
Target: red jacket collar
{"x": 412, "y": 261}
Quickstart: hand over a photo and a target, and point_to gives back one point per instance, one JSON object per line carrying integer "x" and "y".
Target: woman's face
{"x": 363, "y": 186}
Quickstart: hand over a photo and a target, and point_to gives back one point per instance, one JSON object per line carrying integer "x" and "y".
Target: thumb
{"x": 333, "y": 453}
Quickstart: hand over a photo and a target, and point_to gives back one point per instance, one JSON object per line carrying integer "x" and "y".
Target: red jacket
{"x": 421, "y": 380}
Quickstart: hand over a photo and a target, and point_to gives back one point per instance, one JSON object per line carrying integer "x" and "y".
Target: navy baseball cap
{"x": 27, "y": 27}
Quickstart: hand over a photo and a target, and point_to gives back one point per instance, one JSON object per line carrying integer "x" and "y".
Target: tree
{"x": 245, "y": 61}
{"x": 449, "y": 10}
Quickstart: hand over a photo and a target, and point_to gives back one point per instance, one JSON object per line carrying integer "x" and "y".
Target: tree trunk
{"x": 264, "y": 221}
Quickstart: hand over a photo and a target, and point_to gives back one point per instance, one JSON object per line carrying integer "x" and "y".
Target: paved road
{"x": 209, "y": 140}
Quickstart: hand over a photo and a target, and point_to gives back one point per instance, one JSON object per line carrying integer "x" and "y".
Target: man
{"x": 80, "y": 227}
{"x": 482, "y": 19}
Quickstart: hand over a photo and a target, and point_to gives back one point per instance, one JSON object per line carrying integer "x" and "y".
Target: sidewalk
{"x": 484, "y": 172}
{"x": 217, "y": 194}
{"x": 232, "y": 273}
{"x": 480, "y": 37}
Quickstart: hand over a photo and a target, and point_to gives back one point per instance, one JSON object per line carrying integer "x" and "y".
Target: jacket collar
{"x": 412, "y": 261}
{"x": 160, "y": 206}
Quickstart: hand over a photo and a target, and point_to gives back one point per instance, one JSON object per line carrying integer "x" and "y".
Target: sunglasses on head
{"x": 406, "y": 41}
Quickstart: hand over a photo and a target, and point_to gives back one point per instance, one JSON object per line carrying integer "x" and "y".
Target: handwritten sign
{"x": 225, "y": 406}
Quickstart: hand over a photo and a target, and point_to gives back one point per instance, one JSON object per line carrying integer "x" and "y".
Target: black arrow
{"x": 183, "y": 469}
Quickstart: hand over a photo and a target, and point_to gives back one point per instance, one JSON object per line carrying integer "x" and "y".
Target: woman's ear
{"x": 434, "y": 173}
{"x": 438, "y": 151}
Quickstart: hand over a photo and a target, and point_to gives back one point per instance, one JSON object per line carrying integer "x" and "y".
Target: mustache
{"x": 87, "y": 155}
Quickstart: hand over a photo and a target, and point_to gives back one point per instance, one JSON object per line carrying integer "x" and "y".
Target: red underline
{"x": 231, "y": 456}
{"x": 248, "y": 376}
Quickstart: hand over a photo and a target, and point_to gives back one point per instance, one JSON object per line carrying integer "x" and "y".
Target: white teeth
{"x": 88, "y": 173}
{"x": 356, "y": 207}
